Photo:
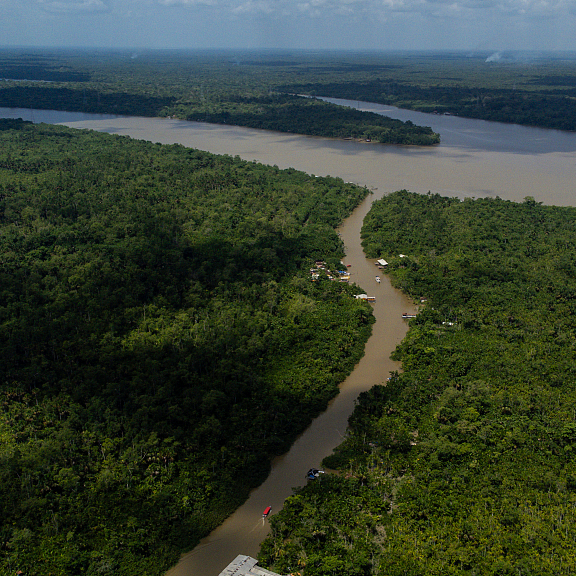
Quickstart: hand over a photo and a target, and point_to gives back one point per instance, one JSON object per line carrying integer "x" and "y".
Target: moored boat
{"x": 314, "y": 473}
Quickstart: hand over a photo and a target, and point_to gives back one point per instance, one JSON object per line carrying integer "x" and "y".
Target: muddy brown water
{"x": 475, "y": 159}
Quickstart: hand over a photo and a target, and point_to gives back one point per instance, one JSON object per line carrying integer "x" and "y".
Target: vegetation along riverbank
{"x": 160, "y": 340}
{"x": 257, "y": 88}
{"x": 464, "y": 463}
{"x": 203, "y": 86}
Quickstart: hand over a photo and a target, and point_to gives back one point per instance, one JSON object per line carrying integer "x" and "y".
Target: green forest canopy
{"x": 160, "y": 340}
{"x": 252, "y": 87}
{"x": 465, "y": 462}
{"x": 205, "y": 86}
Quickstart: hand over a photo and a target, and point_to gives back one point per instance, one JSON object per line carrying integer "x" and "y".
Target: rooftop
{"x": 245, "y": 566}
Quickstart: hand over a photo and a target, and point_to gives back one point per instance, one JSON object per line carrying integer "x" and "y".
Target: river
{"x": 475, "y": 159}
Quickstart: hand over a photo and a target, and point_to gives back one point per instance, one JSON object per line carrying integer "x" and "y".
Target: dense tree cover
{"x": 529, "y": 89}
{"x": 547, "y": 109}
{"x": 38, "y": 67}
{"x": 226, "y": 86}
{"x": 81, "y": 99}
{"x": 463, "y": 463}
{"x": 194, "y": 86}
{"x": 160, "y": 340}
{"x": 290, "y": 113}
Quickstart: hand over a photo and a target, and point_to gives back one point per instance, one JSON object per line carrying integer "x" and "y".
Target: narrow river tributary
{"x": 475, "y": 159}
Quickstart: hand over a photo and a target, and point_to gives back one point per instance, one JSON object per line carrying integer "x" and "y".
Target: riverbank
{"x": 182, "y": 345}
{"x": 475, "y": 158}
{"x": 243, "y": 532}
{"x": 473, "y": 441}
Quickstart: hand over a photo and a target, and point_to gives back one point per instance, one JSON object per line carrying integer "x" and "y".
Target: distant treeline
{"x": 242, "y": 88}
{"x": 546, "y": 109}
{"x": 464, "y": 462}
{"x": 160, "y": 340}
{"x": 82, "y": 99}
{"x": 40, "y": 74}
{"x": 15, "y": 65}
{"x": 190, "y": 88}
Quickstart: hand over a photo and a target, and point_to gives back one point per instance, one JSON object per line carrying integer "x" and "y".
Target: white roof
{"x": 245, "y": 566}
{"x": 382, "y": 262}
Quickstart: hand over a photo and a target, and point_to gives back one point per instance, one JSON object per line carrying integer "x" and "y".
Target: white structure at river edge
{"x": 245, "y": 566}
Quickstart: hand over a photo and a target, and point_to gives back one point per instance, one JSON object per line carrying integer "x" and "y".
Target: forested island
{"x": 260, "y": 89}
{"x": 201, "y": 86}
{"x": 464, "y": 462}
{"x": 161, "y": 338}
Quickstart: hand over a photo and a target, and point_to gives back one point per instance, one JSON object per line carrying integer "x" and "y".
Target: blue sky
{"x": 313, "y": 24}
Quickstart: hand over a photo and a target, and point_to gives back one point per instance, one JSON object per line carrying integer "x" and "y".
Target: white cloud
{"x": 536, "y": 7}
{"x": 190, "y": 2}
{"x": 493, "y": 24}
{"x": 254, "y": 7}
{"x": 368, "y": 7}
{"x": 74, "y": 6}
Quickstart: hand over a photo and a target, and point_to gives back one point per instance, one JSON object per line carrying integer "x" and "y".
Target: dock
{"x": 245, "y": 566}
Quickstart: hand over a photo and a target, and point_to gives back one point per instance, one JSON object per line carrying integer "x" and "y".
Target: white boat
{"x": 378, "y": 279}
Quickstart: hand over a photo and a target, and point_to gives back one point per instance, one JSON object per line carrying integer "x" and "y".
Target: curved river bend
{"x": 475, "y": 159}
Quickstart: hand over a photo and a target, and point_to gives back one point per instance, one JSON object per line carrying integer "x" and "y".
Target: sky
{"x": 494, "y": 25}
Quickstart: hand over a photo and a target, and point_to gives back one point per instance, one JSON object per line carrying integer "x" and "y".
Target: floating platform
{"x": 245, "y": 566}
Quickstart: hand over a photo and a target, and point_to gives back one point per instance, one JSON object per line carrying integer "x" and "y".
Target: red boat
{"x": 267, "y": 511}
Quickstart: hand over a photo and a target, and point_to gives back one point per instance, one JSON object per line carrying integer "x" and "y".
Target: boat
{"x": 267, "y": 511}
{"x": 378, "y": 279}
{"x": 406, "y": 315}
{"x": 365, "y": 297}
{"x": 314, "y": 473}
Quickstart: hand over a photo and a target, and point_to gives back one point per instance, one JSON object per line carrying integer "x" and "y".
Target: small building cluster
{"x": 321, "y": 267}
{"x": 341, "y": 275}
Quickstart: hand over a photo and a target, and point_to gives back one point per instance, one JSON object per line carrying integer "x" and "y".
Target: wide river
{"x": 474, "y": 159}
